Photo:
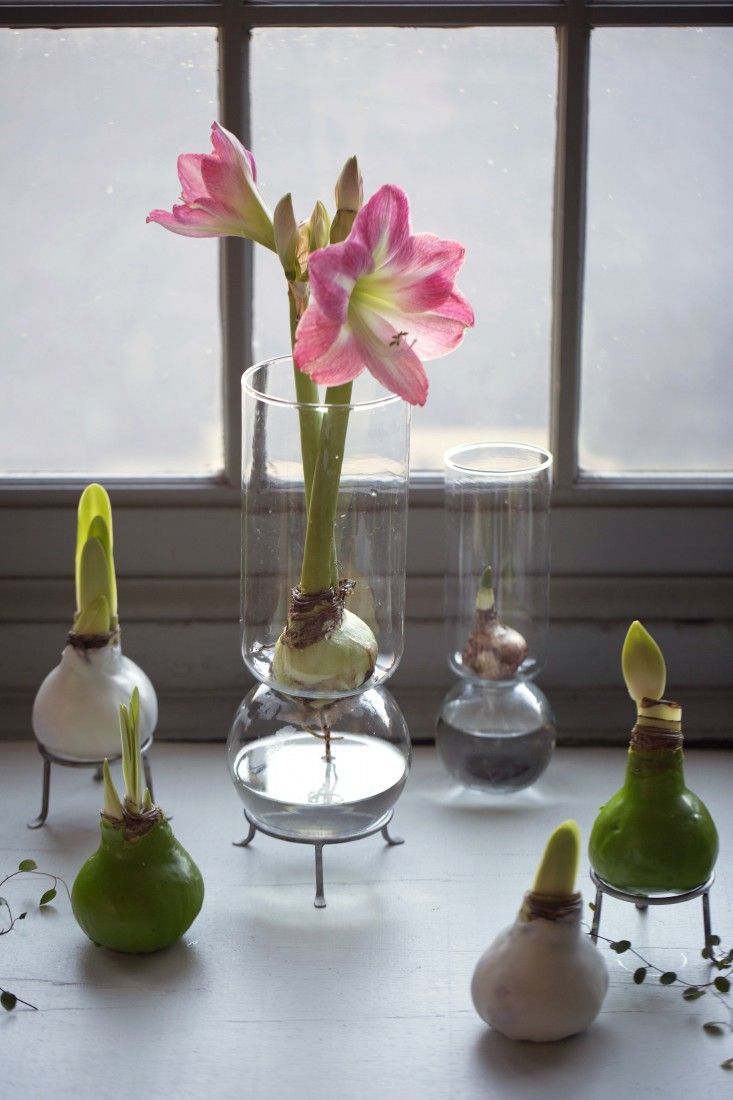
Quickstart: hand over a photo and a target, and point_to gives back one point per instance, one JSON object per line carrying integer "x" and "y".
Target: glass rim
{"x": 319, "y": 406}
{"x": 543, "y": 458}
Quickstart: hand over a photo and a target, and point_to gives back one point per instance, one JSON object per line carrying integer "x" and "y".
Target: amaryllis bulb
{"x": 342, "y": 660}
{"x": 76, "y": 710}
{"x": 542, "y": 978}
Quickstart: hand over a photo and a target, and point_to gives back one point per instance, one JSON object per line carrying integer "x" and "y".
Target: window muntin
{"x": 656, "y": 384}
{"x": 111, "y": 339}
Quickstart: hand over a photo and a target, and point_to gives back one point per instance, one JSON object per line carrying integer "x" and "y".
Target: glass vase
{"x": 495, "y": 729}
{"x": 321, "y": 757}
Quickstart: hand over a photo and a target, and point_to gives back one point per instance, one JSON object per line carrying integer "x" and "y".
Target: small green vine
{"x": 9, "y": 1000}
{"x": 718, "y": 986}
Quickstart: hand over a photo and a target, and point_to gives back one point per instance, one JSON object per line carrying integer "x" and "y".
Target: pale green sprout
{"x": 96, "y": 584}
{"x": 643, "y": 664}
{"x": 112, "y": 806}
{"x": 485, "y": 598}
{"x": 558, "y": 870}
{"x": 137, "y": 800}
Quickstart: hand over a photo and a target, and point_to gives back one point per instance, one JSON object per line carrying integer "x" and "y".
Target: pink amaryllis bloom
{"x": 219, "y": 192}
{"x": 384, "y": 300}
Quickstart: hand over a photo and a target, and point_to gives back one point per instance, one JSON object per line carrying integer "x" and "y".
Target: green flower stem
{"x": 319, "y": 564}
{"x": 306, "y": 392}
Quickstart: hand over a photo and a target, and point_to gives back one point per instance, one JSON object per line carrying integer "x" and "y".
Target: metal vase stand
{"x": 643, "y": 901}
{"x": 382, "y": 827}
{"x": 50, "y": 758}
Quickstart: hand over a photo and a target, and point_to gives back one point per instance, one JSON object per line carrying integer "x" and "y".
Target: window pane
{"x": 111, "y": 342}
{"x": 657, "y": 385}
{"x": 463, "y": 120}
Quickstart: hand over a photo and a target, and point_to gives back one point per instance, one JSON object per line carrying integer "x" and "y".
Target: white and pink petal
{"x": 383, "y": 223}
{"x": 333, "y": 273}
{"x": 325, "y": 349}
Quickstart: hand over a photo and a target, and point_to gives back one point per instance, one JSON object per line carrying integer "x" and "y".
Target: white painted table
{"x": 268, "y": 997}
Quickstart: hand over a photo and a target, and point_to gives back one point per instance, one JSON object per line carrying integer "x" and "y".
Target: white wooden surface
{"x": 267, "y": 997}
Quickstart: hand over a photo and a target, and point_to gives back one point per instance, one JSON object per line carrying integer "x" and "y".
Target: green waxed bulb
{"x": 654, "y": 836}
{"x": 137, "y": 895}
{"x": 141, "y": 890}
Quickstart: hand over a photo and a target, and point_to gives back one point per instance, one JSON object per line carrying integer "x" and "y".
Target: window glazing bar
{"x": 236, "y": 255}
{"x": 569, "y": 242}
{"x": 330, "y": 14}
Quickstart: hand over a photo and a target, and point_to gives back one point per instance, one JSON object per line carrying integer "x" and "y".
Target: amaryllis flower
{"x": 220, "y": 197}
{"x": 383, "y": 300}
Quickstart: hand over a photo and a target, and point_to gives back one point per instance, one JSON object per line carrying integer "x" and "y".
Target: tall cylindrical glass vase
{"x": 320, "y": 750}
{"x": 495, "y": 729}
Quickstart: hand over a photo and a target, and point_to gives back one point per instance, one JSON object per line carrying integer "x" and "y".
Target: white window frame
{"x": 655, "y": 548}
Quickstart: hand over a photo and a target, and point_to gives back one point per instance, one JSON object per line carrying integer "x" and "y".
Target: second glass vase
{"x": 495, "y": 730}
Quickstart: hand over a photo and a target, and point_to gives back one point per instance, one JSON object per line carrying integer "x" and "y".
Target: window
{"x": 582, "y": 152}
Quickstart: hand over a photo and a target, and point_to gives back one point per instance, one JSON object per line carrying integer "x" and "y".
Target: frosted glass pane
{"x": 464, "y": 121}
{"x": 111, "y": 344}
{"x": 657, "y": 383}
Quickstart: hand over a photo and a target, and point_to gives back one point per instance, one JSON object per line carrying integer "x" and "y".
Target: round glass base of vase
{"x": 497, "y": 738}
{"x": 300, "y": 783}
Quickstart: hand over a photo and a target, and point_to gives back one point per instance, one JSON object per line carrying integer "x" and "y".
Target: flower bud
{"x": 319, "y": 227}
{"x": 287, "y": 235}
{"x": 350, "y": 187}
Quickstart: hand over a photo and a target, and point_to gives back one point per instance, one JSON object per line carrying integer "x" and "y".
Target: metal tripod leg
{"x": 596, "y": 915}
{"x": 40, "y": 820}
{"x": 391, "y": 840}
{"x": 320, "y": 899}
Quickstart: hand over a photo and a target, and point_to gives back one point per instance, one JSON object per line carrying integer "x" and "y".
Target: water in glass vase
{"x": 290, "y": 788}
{"x": 495, "y": 739}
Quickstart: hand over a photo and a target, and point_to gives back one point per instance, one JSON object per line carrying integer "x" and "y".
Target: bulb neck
{"x": 85, "y": 642}
{"x": 658, "y": 727}
{"x": 549, "y": 907}
{"x": 655, "y": 748}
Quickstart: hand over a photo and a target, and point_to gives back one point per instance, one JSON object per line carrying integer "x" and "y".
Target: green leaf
{"x": 722, "y": 985}
{"x": 668, "y": 978}
{"x": 620, "y": 946}
{"x": 47, "y": 897}
{"x": 727, "y": 1064}
{"x": 692, "y": 993}
{"x": 8, "y": 1000}
{"x": 22, "y": 916}
{"x": 642, "y": 664}
{"x": 94, "y": 505}
{"x": 711, "y": 1028}
{"x": 639, "y": 975}
{"x": 705, "y": 952}
{"x": 95, "y": 619}
{"x": 27, "y": 865}
{"x": 714, "y": 940}
{"x": 93, "y": 575}
{"x": 592, "y": 906}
